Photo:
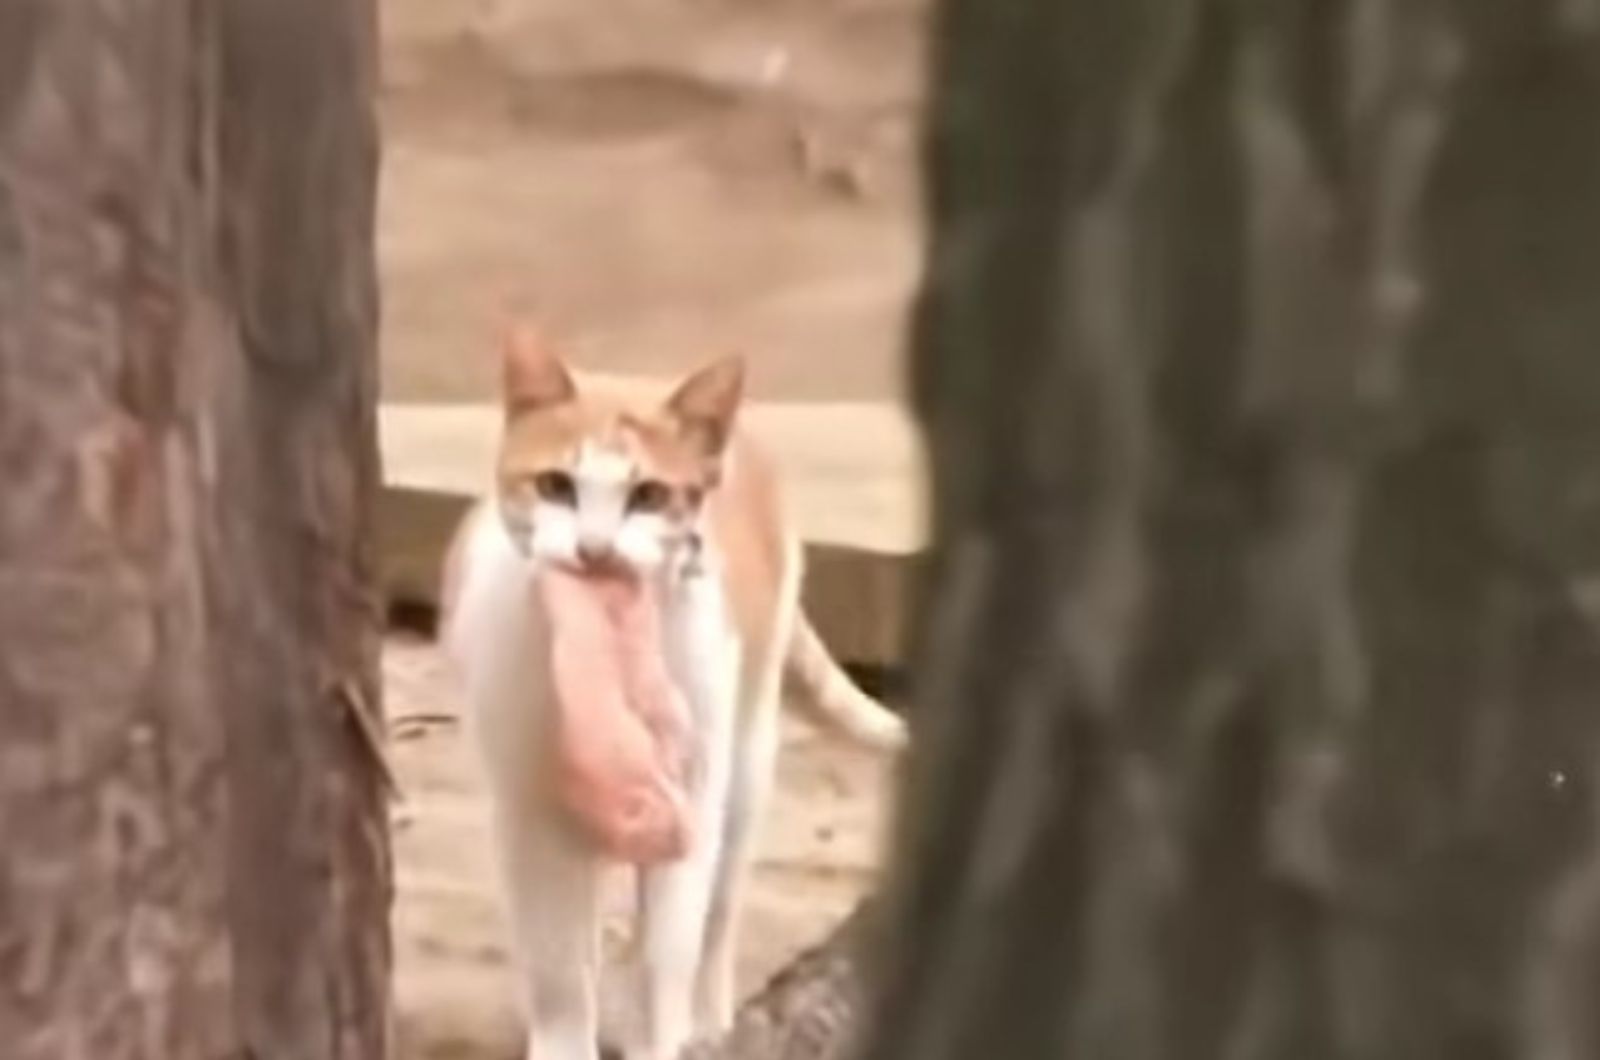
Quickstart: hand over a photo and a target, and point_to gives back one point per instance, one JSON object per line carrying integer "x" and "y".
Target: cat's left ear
{"x": 706, "y": 404}
{"x": 533, "y": 375}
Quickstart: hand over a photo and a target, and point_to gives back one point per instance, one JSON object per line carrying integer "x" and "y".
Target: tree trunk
{"x": 1256, "y": 712}
{"x": 1257, "y": 356}
{"x": 195, "y": 863}
{"x": 810, "y": 1010}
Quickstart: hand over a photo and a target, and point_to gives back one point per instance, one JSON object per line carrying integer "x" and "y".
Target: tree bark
{"x": 196, "y": 863}
{"x": 812, "y": 1009}
{"x": 1255, "y": 712}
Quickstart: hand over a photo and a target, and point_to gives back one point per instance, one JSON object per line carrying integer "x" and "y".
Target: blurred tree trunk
{"x": 195, "y": 862}
{"x": 810, "y": 1010}
{"x": 1259, "y": 356}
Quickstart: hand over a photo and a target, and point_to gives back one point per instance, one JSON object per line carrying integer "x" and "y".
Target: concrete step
{"x": 852, "y": 474}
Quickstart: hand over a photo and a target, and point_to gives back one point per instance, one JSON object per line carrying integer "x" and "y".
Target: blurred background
{"x": 654, "y": 181}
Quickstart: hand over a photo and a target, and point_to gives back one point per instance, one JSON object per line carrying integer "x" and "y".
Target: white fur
{"x": 550, "y": 877}
{"x": 703, "y": 656}
{"x": 553, "y": 532}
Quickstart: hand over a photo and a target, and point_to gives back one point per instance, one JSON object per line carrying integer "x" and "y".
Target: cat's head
{"x": 587, "y": 481}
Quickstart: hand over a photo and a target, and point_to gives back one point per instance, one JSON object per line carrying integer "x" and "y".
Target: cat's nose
{"x": 595, "y": 552}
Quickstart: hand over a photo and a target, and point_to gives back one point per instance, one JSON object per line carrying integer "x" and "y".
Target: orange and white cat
{"x": 672, "y": 494}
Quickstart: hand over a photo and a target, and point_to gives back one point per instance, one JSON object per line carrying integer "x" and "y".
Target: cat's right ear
{"x": 704, "y": 405}
{"x": 534, "y": 376}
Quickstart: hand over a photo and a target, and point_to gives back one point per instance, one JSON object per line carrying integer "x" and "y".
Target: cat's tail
{"x": 828, "y": 696}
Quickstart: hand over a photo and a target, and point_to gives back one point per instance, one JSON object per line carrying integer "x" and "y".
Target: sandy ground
{"x": 454, "y": 990}
{"x": 654, "y": 182}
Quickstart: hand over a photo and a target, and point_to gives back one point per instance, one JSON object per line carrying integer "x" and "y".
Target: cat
{"x": 673, "y": 494}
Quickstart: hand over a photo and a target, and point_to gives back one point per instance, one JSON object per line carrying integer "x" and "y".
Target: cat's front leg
{"x": 551, "y": 888}
{"x": 675, "y": 897}
{"x": 549, "y": 876}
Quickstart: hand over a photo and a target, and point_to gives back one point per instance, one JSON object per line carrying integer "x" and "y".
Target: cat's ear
{"x": 706, "y": 404}
{"x": 534, "y": 375}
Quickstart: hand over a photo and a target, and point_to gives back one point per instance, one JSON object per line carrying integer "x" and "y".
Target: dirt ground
{"x": 654, "y": 182}
{"x": 454, "y": 991}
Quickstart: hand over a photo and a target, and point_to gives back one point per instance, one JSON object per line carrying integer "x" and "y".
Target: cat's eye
{"x": 649, "y": 496}
{"x": 556, "y": 487}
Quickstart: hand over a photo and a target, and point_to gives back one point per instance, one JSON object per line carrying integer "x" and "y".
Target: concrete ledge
{"x": 852, "y": 473}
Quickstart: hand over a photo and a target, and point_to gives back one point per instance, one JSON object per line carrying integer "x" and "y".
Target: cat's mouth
{"x": 609, "y": 565}
{"x": 602, "y": 562}
{"x": 596, "y": 556}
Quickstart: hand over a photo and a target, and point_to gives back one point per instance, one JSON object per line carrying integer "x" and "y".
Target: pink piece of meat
{"x": 622, "y": 725}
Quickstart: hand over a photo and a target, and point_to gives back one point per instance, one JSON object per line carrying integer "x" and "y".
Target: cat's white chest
{"x": 700, "y": 644}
